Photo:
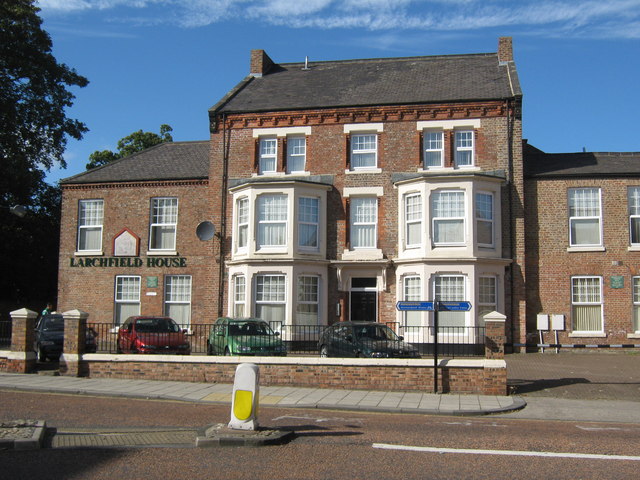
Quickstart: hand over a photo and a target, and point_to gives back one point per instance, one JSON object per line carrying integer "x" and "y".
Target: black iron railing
{"x": 5, "y": 333}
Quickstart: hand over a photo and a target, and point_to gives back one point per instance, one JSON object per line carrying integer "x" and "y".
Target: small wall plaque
{"x": 152, "y": 282}
{"x": 617, "y": 281}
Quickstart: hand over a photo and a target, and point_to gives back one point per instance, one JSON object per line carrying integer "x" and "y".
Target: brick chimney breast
{"x": 505, "y": 49}
{"x": 260, "y": 63}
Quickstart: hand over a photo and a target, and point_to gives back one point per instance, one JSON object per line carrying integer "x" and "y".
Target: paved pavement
{"x": 591, "y": 387}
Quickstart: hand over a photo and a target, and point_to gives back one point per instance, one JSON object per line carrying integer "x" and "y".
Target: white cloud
{"x": 595, "y": 18}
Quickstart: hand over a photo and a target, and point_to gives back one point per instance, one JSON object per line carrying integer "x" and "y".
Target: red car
{"x": 152, "y": 335}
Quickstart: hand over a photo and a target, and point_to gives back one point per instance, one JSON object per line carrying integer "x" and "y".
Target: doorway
{"x": 363, "y": 299}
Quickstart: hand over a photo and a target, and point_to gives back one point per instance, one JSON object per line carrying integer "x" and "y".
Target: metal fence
{"x": 303, "y": 339}
{"x": 5, "y": 333}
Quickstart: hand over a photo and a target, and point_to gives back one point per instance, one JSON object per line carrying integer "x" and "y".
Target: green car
{"x": 244, "y": 336}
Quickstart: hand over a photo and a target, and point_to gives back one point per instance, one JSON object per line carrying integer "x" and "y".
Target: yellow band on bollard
{"x": 242, "y": 404}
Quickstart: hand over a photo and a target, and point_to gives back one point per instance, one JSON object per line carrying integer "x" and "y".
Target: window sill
{"x": 587, "y": 335}
{"x": 634, "y": 248}
{"x": 162, "y": 253}
{"x": 586, "y": 249}
{"x": 362, "y": 254}
{"x": 363, "y": 170}
{"x": 633, "y": 335}
{"x": 89, "y": 253}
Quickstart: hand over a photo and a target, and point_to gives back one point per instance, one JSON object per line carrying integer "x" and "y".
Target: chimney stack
{"x": 505, "y": 49}
{"x": 260, "y": 63}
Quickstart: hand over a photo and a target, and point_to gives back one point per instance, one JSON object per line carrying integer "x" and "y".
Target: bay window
{"x": 239, "y": 296}
{"x": 412, "y": 292}
{"x": 487, "y": 297}
{"x": 270, "y": 297}
{"x": 242, "y": 216}
{"x": 308, "y": 222}
{"x": 413, "y": 220}
{"x": 450, "y": 288}
{"x": 308, "y": 300}
{"x": 484, "y": 219}
{"x": 448, "y": 211}
{"x": 272, "y": 220}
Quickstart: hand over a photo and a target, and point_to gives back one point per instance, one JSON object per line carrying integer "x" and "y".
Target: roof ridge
{"x": 311, "y": 63}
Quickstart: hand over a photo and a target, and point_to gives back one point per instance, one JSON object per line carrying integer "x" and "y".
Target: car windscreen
{"x": 375, "y": 332}
{"x": 52, "y": 323}
{"x": 249, "y": 328}
{"x": 156, "y": 325}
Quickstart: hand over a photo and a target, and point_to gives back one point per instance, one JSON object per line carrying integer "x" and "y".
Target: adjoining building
{"x": 336, "y": 190}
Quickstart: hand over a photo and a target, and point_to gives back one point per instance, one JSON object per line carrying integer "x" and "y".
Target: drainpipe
{"x": 512, "y": 222}
{"x": 223, "y": 215}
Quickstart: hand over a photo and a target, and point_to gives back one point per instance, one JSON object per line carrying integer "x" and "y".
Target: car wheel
{"x": 324, "y": 351}
{"x": 41, "y": 355}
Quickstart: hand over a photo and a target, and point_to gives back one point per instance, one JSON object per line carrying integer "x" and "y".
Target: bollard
{"x": 244, "y": 400}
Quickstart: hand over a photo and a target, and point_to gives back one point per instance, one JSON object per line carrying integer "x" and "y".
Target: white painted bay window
{"x": 448, "y": 216}
{"x": 270, "y": 297}
{"x": 484, "y": 219}
{"x": 308, "y": 222}
{"x": 487, "y": 297}
{"x": 450, "y": 288}
{"x": 413, "y": 220}
{"x": 239, "y": 296}
{"x": 308, "y": 300}
{"x": 242, "y": 219}
{"x": 412, "y": 292}
{"x": 272, "y": 220}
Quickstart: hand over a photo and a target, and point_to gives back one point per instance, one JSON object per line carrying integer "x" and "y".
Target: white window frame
{"x": 439, "y": 294}
{"x": 484, "y": 304}
{"x": 449, "y": 217}
{"x": 296, "y": 153}
{"x": 163, "y": 216}
{"x": 633, "y": 196}
{"x": 576, "y": 301}
{"x": 272, "y": 218}
{"x": 90, "y": 220}
{"x": 240, "y": 296}
{"x": 275, "y": 297}
{"x": 243, "y": 216}
{"x": 126, "y": 292}
{"x": 464, "y": 142}
{"x": 367, "y": 221}
{"x": 177, "y": 292}
{"x": 308, "y": 221}
{"x": 412, "y": 292}
{"x": 362, "y": 149}
{"x": 583, "y": 215}
{"x": 413, "y": 217}
{"x": 484, "y": 217}
{"x": 432, "y": 146}
{"x": 268, "y": 155}
{"x": 308, "y": 299}
{"x": 635, "y": 321}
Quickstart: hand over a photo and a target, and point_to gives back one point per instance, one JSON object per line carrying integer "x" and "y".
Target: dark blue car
{"x": 50, "y": 337}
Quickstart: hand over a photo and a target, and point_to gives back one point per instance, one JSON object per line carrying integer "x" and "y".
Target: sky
{"x": 153, "y": 62}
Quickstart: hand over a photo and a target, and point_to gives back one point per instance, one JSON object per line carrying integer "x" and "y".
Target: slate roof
{"x": 166, "y": 161}
{"x": 538, "y": 164}
{"x": 385, "y": 81}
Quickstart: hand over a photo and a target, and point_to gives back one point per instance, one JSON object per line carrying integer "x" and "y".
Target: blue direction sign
{"x": 415, "y": 306}
{"x": 454, "y": 306}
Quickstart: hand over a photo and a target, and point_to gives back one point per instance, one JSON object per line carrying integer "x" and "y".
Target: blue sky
{"x": 167, "y": 61}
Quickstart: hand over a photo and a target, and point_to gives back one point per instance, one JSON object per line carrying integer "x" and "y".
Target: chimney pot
{"x": 260, "y": 63}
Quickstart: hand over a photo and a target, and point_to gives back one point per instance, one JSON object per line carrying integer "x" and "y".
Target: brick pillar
{"x": 22, "y": 358}
{"x": 495, "y": 336}
{"x": 75, "y": 332}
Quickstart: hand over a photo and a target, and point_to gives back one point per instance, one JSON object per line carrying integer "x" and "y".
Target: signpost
{"x": 435, "y": 307}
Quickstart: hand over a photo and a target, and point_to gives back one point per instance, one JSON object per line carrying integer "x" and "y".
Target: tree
{"x": 34, "y": 128}
{"x": 133, "y": 143}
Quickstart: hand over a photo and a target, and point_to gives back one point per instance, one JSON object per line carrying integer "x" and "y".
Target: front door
{"x": 364, "y": 300}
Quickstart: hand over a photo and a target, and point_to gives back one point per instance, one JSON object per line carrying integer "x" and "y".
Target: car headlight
{"x": 379, "y": 355}
{"x": 244, "y": 348}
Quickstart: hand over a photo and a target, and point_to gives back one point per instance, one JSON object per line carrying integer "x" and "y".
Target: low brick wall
{"x": 470, "y": 376}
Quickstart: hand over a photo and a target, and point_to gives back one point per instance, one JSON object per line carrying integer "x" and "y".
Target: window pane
{"x": 272, "y": 220}
{"x": 90, "y": 218}
{"x": 448, "y": 231}
{"x": 296, "y": 154}
{"x": 164, "y": 218}
{"x": 448, "y": 214}
{"x": 413, "y": 219}
{"x": 308, "y": 298}
{"x": 587, "y": 318}
{"x": 308, "y": 217}
{"x": 464, "y": 148}
{"x": 433, "y": 149}
{"x": 363, "y": 222}
{"x": 412, "y": 293}
{"x": 363, "y": 151}
{"x": 585, "y": 232}
{"x": 127, "y": 298}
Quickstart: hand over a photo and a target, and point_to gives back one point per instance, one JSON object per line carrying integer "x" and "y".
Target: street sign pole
{"x": 435, "y": 346}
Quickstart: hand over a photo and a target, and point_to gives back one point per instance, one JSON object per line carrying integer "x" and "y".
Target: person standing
{"x": 47, "y": 310}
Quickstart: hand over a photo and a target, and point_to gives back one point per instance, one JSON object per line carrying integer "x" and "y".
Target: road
{"x": 328, "y": 445}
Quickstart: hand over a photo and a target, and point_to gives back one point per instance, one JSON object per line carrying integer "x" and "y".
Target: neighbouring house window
{"x": 450, "y": 288}
{"x": 412, "y": 292}
{"x": 308, "y": 222}
{"x": 164, "y": 220}
{"x": 364, "y": 151}
{"x": 487, "y": 297}
{"x": 584, "y": 217}
{"x": 433, "y": 148}
{"x": 448, "y": 217}
{"x": 239, "y": 296}
{"x": 268, "y": 155}
{"x": 464, "y": 148}
{"x": 127, "y": 297}
{"x": 308, "y": 300}
{"x": 296, "y": 154}
{"x": 90, "y": 218}
{"x": 242, "y": 212}
{"x": 177, "y": 299}
{"x": 271, "y": 298}
{"x": 272, "y": 220}
{"x": 364, "y": 219}
{"x": 484, "y": 219}
{"x": 586, "y": 300}
{"x": 413, "y": 220}
{"x": 634, "y": 215}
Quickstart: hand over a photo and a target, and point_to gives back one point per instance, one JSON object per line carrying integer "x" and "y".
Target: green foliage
{"x": 34, "y": 128}
{"x": 133, "y": 143}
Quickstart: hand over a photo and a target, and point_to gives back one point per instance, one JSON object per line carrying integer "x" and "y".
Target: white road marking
{"x": 599, "y": 429}
{"x": 517, "y": 453}
{"x": 319, "y": 419}
{"x": 477, "y": 424}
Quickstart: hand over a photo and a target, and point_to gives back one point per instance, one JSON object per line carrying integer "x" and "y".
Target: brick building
{"x": 336, "y": 190}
